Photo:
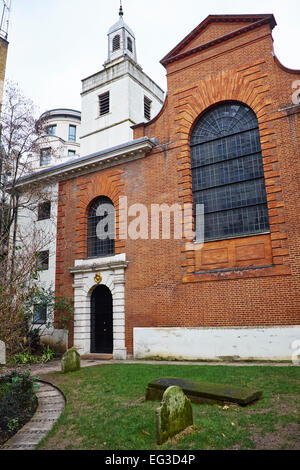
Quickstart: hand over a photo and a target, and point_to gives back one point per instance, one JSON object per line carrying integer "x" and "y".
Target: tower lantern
{"x": 121, "y": 40}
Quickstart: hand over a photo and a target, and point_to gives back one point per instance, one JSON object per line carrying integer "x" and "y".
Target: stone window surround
{"x": 112, "y": 270}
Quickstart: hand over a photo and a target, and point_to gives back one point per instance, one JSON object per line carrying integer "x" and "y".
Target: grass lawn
{"x": 106, "y": 409}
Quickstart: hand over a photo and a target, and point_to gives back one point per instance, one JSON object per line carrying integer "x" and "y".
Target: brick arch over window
{"x": 88, "y": 189}
{"x": 101, "y": 228}
{"x": 227, "y": 172}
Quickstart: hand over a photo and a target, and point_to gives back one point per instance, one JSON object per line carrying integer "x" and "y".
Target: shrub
{"x": 26, "y": 357}
{"x": 17, "y": 401}
{"x": 47, "y": 354}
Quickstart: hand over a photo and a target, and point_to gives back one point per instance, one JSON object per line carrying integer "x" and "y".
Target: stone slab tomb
{"x": 203, "y": 392}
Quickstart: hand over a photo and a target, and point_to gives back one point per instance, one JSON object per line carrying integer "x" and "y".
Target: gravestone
{"x": 2, "y": 353}
{"x": 70, "y": 361}
{"x": 174, "y": 415}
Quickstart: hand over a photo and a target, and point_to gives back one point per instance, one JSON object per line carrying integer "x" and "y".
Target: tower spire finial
{"x": 121, "y": 9}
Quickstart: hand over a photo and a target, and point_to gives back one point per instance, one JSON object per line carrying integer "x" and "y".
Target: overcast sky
{"x": 54, "y": 44}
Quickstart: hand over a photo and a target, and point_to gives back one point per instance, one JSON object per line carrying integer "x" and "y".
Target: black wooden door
{"x": 101, "y": 321}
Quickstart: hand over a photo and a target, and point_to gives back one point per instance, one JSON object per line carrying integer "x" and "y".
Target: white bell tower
{"x": 119, "y": 96}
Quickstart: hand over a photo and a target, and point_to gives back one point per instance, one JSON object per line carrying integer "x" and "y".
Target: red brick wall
{"x": 74, "y": 199}
{"x": 162, "y": 285}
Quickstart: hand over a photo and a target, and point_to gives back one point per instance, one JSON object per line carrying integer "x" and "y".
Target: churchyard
{"x": 106, "y": 409}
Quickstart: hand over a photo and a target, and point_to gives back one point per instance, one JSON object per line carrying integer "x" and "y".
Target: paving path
{"x": 51, "y": 403}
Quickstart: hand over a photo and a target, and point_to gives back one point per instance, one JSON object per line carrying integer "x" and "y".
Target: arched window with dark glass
{"x": 227, "y": 172}
{"x": 101, "y": 228}
{"x": 116, "y": 42}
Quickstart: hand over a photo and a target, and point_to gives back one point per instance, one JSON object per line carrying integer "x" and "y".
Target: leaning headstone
{"x": 2, "y": 353}
{"x": 174, "y": 415}
{"x": 70, "y": 361}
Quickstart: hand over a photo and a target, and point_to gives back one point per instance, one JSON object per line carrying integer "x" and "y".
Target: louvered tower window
{"x": 147, "y": 108}
{"x": 101, "y": 228}
{"x": 227, "y": 172}
{"x": 116, "y": 42}
{"x": 104, "y": 103}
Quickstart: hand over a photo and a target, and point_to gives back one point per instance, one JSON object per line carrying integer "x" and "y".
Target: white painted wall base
{"x": 218, "y": 344}
{"x": 58, "y": 339}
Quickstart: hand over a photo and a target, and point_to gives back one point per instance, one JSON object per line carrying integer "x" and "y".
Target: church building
{"x": 226, "y": 137}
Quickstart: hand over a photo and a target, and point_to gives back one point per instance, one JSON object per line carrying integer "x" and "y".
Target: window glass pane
{"x": 232, "y": 196}
{"x": 72, "y": 133}
{"x": 104, "y": 246}
{"x": 226, "y": 148}
{"x": 237, "y": 222}
{"x": 71, "y": 153}
{"x": 226, "y": 119}
{"x": 45, "y": 157}
{"x": 42, "y": 261}
{"x": 233, "y": 171}
{"x": 44, "y": 210}
{"x": 40, "y": 314}
{"x": 51, "y": 130}
{"x": 227, "y": 172}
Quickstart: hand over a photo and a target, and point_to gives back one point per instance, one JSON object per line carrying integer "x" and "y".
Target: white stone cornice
{"x": 99, "y": 264}
{"x": 112, "y": 156}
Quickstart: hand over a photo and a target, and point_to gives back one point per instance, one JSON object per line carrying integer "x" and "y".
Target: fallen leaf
{"x": 145, "y": 432}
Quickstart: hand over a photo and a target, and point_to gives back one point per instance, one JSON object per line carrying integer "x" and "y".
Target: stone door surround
{"x": 89, "y": 273}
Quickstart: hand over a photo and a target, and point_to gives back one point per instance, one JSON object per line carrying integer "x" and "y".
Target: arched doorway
{"x": 101, "y": 320}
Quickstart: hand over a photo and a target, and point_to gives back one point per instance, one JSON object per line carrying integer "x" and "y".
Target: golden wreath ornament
{"x": 98, "y": 278}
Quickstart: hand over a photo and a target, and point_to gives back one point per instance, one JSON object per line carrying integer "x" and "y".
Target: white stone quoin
{"x": 2, "y": 353}
{"x": 219, "y": 344}
{"x": 112, "y": 270}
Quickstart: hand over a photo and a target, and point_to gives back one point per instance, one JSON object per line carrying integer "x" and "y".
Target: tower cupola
{"x": 121, "y": 40}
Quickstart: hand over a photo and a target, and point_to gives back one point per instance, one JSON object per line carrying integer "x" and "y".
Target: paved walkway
{"x": 51, "y": 403}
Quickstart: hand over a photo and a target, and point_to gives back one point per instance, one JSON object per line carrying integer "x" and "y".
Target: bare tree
{"x": 21, "y": 135}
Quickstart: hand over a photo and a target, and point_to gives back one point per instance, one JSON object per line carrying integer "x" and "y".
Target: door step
{"x": 96, "y": 356}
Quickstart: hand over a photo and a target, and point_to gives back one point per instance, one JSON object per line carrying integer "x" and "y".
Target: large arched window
{"x": 101, "y": 228}
{"x": 227, "y": 172}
